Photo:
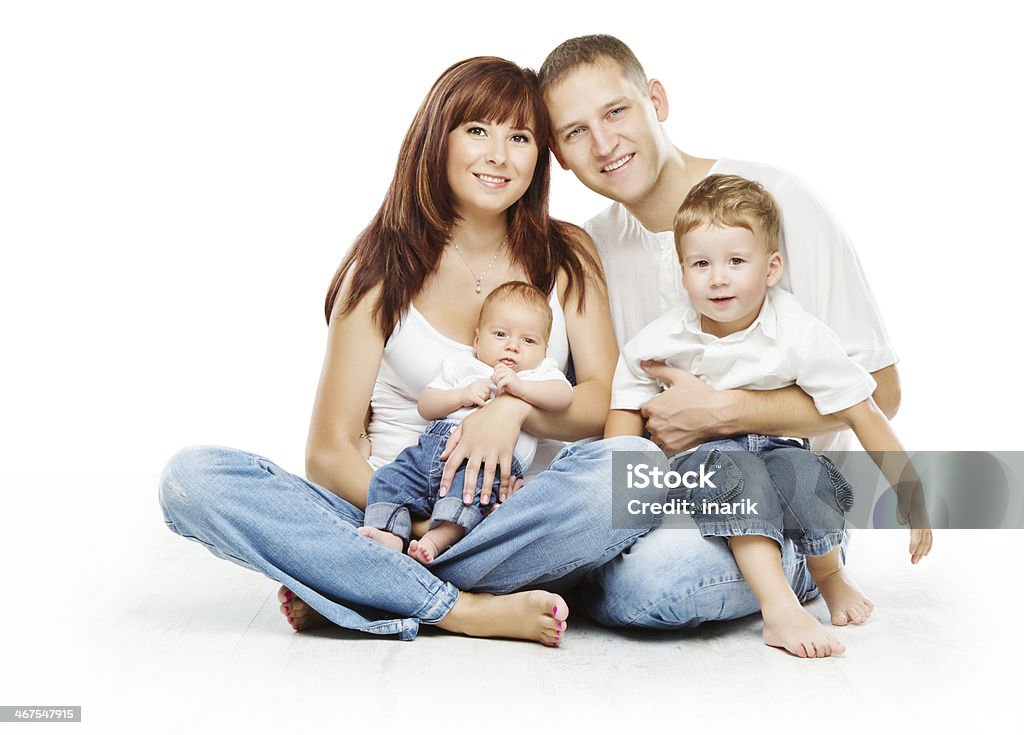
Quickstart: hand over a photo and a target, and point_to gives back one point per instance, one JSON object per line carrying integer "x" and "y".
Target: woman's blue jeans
{"x": 554, "y": 533}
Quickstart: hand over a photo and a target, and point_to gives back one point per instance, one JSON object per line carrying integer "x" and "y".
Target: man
{"x": 606, "y": 120}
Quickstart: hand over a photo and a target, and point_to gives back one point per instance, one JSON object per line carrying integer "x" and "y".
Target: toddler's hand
{"x": 506, "y": 380}
{"x": 476, "y": 394}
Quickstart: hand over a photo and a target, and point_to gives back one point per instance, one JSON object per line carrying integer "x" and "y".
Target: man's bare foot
{"x": 300, "y": 615}
{"x": 846, "y": 603}
{"x": 534, "y": 615}
{"x": 385, "y": 538}
{"x": 423, "y": 550}
{"x": 796, "y": 630}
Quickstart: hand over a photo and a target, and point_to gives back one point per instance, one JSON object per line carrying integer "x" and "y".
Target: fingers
{"x": 504, "y": 475}
{"x": 920, "y": 544}
{"x": 469, "y": 485}
{"x": 453, "y": 456}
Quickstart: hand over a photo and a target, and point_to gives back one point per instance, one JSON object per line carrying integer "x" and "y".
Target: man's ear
{"x": 561, "y": 161}
{"x": 659, "y": 99}
{"x": 774, "y": 268}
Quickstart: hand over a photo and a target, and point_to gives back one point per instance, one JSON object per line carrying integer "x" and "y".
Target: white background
{"x": 178, "y": 182}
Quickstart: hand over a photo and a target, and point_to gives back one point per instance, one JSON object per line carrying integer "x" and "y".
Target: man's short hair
{"x": 587, "y": 51}
{"x": 729, "y": 201}
{"x": 522, "y": 292}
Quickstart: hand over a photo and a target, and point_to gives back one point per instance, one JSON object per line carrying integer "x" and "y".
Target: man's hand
{"x": 684, "y": 415}
{"x": 476, "y": 394}
{"x": 486, "y": 437}
{"x": 506, "y": 380}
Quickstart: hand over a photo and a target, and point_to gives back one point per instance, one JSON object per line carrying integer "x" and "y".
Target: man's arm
{"x": 690, "y": 412}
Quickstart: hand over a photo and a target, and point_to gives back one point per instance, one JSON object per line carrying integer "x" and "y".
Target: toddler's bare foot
{"x": 846, "y": 603}
{"x": 423, "y": 550}
{"x": 793, "y": 628}
{"x": 534, "y": 615}
{"x": 385, "y": 538}
{"x": 300, "y": 615}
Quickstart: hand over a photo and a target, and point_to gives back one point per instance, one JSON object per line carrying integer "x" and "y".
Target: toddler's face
{"x": 513, "y": 334}
{"x": 727, "y": 272}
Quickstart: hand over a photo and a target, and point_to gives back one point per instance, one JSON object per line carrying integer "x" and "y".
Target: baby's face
{"x": 513, "y": 334}
{"x": 727, "y": 272}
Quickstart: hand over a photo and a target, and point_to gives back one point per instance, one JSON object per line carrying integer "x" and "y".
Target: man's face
{"x": 607, "y": 130}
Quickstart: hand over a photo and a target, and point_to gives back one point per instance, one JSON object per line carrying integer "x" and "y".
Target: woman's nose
{"x": 497, "y": 154}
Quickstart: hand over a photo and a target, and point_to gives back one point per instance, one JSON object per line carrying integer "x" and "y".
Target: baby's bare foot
{"x": 796, "y": 630}
{"x": 534, "y": 615}
{"x": 424, "y": 551}
{"x": 846, "y": 603}
{"x": 300, "y": 615}
{"x": 385, "y": 538}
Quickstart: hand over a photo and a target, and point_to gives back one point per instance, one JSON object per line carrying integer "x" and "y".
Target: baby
{"x": 742, "y": 331}
{"x": 510, "y": 351}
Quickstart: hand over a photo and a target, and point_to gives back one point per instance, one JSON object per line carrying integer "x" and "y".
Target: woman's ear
{"x": 774, "y": 268}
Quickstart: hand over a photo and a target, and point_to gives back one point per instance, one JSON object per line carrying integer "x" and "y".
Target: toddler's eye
{"x": 735, "y": 261}
{"x": 700, "y": 264}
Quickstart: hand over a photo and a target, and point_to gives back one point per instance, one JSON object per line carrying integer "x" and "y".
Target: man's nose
{"x": 604, "y": 141}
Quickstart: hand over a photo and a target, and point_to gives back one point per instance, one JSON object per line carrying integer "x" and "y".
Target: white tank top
{"x": 412, "y": 359}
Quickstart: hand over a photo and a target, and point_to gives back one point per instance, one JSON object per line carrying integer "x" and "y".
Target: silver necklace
{"x": 479, "y": 279}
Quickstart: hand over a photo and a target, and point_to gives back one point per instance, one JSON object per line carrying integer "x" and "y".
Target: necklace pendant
{"x": 478, "y": 288}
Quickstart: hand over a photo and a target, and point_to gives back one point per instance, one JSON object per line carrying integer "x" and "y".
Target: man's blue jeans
{"x": 408, "y": 488}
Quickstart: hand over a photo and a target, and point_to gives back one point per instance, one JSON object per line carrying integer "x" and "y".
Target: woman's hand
{"x": 485, "y": 438}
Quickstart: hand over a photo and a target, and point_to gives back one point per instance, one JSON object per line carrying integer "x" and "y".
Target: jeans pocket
{"x": 727, "y": 475}
{"x": 840, "y": 486}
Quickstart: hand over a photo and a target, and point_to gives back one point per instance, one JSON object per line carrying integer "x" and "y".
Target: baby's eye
{"x": 500, "y": 334}
{"x": 529, "y": 340}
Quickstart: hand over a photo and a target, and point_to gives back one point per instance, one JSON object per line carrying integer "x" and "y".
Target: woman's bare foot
{"x": 423, "y": 550}
{"x": 846, "y": 603}
{"x": 796, "y": 630}
{"x": 300, "y": 615}
{"x": 534, "y": 615}
{"x": 386, "y": 538}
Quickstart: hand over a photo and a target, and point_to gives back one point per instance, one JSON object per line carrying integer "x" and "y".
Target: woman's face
{"x": 490, "y": 166}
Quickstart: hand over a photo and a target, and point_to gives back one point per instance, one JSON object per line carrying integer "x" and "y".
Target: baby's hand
{"x": 506, "y": 380}
{"x": 476, "y": 394}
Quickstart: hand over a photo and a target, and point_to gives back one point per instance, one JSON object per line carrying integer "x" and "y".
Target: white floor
{"x": 150, "y": 633}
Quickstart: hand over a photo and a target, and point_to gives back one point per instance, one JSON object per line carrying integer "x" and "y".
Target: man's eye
{"x": 575, "y": 132}
{"x": 616, "y": 111}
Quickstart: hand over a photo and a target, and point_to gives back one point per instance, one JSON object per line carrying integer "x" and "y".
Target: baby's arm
{"x": 436, "y": 403}
{"x": 547, "y": 395}
{"x": 876, "y": 435}
{"x": 623, "y": 423}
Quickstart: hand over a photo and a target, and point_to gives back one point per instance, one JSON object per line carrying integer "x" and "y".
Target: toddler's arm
{"x": 876, "y": 435}
{"x": 547, "y": 395}
{"x": 436, "y": 403}
{"x": 623, "y": 423}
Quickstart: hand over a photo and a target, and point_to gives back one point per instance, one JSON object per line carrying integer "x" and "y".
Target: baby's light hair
{"x": 725, "y": 200}
{"x": 522, "y": 292}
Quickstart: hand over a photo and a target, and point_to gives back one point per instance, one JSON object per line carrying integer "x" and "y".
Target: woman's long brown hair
{"x": 404, "y": 241}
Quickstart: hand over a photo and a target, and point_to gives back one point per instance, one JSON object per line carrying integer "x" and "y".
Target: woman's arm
{"x": 488, "y": 437}
{"x": 355, "y": 348}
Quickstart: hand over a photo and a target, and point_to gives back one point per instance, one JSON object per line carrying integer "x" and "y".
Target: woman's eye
{"x": 521, "y": 138}
{"x": 476, "y": 130}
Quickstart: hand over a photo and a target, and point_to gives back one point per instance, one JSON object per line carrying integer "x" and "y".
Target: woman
{"x": 465, "y": 212}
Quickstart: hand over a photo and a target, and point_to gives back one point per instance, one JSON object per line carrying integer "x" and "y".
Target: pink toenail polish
{"x": 554, "y": 610}
{"x": 288, "y": 609}
{"x": 288, "y": 596}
